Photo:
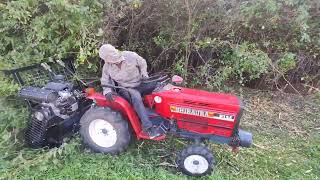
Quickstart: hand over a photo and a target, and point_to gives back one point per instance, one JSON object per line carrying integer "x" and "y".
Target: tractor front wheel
{"x": 196, "y": 161}
{"x": 105, "y": 131}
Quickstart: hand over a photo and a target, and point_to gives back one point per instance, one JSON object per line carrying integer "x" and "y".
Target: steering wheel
{"x": 156, "y": 78}
{"x": 159, "y": 77}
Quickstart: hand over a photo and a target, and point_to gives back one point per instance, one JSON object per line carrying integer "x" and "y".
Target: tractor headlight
{"x": 157, "y": 99}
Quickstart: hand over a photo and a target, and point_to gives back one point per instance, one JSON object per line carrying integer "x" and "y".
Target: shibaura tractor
{"x": 109, "y": 126}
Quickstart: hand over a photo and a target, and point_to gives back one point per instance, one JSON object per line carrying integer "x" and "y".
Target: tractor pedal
{"x": 164, "y": 129}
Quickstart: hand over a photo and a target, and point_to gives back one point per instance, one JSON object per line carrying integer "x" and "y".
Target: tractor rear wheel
{"x": 196, "y": 160}
{"x": 105, "y": 131}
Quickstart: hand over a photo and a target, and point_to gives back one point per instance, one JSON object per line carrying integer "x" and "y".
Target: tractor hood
{"x": 198, "y": 111}
{"x": 200, "y": 98}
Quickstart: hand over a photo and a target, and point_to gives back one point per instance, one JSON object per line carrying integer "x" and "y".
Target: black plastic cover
{"x": 38, "y": 94}
{"x": 57, "y": 86}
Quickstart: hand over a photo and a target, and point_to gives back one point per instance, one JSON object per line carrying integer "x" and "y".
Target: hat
{"x": 110, "y": 54}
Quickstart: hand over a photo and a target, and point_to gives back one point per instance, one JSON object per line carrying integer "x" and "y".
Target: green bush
{"x": 287, "y": 62}
{"x": 33, "y": 31}
{"x": 201, "y": 33}
{"x": 175, "y": 34}
{"x": 243, "y": 63}
{"x": 247, "y": 62}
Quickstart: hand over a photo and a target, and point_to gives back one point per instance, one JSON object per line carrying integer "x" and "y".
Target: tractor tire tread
{"x": 196, "y": 150}
{"x": 112, "y": 117}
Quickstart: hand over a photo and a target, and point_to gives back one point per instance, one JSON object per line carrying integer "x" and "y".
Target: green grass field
{"x": 286, "y": 146}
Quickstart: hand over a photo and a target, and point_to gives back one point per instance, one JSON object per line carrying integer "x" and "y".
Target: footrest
{"x": 164, "y": 127}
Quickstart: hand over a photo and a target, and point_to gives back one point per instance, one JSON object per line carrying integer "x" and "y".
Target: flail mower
{"x": 55, "y": 100}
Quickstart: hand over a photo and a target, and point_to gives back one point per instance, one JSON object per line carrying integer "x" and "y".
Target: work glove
{"x": 109, "y": 96}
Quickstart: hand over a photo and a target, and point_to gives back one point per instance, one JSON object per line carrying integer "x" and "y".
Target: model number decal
{"x": 224, "y": 117}
{"x": 201, "y": 113}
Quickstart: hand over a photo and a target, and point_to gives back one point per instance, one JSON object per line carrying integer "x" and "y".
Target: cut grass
{"x": 286, "y": 146}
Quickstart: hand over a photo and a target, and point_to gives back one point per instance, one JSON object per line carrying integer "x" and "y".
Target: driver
{"x": 128, "y": 69}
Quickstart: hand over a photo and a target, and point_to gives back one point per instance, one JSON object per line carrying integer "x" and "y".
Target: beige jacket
{"x": 133, "y": 68}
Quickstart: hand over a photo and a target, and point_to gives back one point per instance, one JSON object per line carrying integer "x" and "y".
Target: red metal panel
{"x": 198, "y": 100}
{"x": 121, "y": 105}
{"x": 217, "y": 103}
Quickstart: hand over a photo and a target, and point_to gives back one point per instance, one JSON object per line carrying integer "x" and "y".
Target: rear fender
{"x": 122, "y": 105}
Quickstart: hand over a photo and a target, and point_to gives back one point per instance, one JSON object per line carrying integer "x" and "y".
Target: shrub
{"x": 247, "y": 62}
{"x": 243, "y": 63}
{"x": 287, "y": 62}
{"x": 34, "y": 31}
{"x": 190, "y": 33}
{"x": 200, "y": 33}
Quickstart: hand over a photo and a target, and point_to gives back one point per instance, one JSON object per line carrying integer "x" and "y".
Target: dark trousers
{"x": 134, "y": 96}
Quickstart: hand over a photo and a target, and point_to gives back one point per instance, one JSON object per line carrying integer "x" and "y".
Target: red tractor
{"x": 108, "y": 127}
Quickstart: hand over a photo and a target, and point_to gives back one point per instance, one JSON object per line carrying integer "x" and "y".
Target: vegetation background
{"x": 221, "y": 45}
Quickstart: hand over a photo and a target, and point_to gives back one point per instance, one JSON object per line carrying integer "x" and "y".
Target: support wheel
{"x": 105, "y": 131}
{"x": 196, "y": 161}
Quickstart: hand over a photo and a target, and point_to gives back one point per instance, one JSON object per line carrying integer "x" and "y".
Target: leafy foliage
{"x": 197, "y": 33}
{"x": 34, "y": 31}
{"x": 177, "y": 35}
{"x": 287, "y": 62}
{"x": 211, "y": 43}
{"x": 246, "y": 59}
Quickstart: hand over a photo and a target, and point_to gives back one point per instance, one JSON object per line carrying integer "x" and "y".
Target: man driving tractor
{"x": 127, "y": 69}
